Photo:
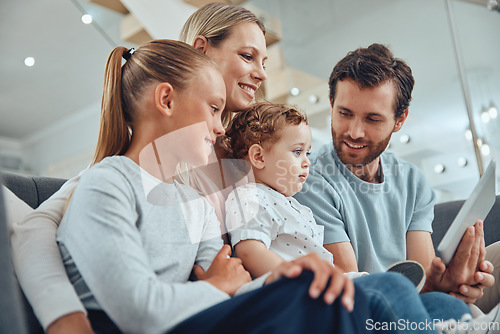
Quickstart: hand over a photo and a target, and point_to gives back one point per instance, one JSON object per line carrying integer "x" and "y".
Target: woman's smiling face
{"x": 241, "y": 58}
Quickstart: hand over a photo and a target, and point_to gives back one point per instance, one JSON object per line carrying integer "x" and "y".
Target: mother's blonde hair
{"x": 215, "y": 22}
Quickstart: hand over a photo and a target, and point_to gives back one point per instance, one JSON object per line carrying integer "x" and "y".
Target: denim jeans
{"x": 281, "y": 307}
{"x": 395, "y": 300}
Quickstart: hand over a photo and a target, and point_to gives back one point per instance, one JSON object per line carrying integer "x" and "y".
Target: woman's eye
{"x": 246, "y": 56}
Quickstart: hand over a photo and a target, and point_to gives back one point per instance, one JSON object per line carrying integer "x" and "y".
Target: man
{"x": 376, "y": 208}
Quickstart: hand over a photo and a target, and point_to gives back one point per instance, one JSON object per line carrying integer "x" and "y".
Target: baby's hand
{"x": 225, "y": 273}
{"x": 323, "y": 271}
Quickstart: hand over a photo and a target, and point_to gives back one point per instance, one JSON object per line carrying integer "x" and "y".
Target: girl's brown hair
{"x": 156, "y": 61}
{"x": 259, "y": 124}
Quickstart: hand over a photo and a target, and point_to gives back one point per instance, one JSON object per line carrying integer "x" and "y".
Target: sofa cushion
{"x": 32, "y": 189}
{"x": 445, "y": 213}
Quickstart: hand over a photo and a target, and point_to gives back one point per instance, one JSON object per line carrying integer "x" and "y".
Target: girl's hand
{"x": 225, "y": 273}
{"x": 323, "y": 272}
{"x": 76, "y": 322}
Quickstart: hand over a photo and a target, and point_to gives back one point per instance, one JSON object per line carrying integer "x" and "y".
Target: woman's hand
{"x": 75, "y": 322}
{"x": 225, "y": 273}
{"x": 324, "y": 272}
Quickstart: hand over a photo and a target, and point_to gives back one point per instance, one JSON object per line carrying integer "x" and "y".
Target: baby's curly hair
{"x": 260, "y": 123}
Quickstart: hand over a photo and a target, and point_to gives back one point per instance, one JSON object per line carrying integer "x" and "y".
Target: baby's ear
{"x": 256, "y": 156}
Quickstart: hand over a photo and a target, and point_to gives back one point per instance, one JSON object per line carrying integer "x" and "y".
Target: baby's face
{"x": 286, "y": 162}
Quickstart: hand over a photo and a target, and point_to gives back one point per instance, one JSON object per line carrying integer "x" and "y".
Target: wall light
{"x": 485, "y": 116}
{"x": 468, "y": 134}
{"x": 404, "y": 139}
{"x": 313, "y": 99}
{"x": 295, "y": 91}
{"x": 462, "y": 162}
{"x": 493, "y": 112}
{"x": 439, "y": 168}
{"x": 485, "y": 149}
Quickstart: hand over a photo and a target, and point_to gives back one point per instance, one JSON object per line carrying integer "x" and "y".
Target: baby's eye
{"x": 215, "y": 109}
{"x": 308, "y": 153}
{"x": 297, "y": 152}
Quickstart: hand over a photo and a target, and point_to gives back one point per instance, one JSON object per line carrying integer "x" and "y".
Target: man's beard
{"x": 374, "y": 151}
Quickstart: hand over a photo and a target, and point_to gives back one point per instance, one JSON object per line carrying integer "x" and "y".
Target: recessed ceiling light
{"x": 462, "y": 162}
{"x": 439, "y": 168}
{"x": 87, "y": 19}
{"x": 295, "y": 91}
{"x": 404, "y": 139}
{"x": 29, "y": 61}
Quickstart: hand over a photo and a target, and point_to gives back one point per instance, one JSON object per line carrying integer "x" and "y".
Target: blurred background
{"x": 54, "y": 52}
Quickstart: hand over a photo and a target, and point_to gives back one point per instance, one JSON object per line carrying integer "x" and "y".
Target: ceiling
{"x": 70, "y": 59}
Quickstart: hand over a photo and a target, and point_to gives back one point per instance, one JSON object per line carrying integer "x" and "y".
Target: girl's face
{"x": 241, "y": 58}
{"x": 197, "y": 116}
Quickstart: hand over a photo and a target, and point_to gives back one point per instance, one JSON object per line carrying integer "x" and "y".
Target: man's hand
{"x": 75, "y": 322}
{"x": 468, "y": 273}
{"x": 323, "y": 271}
{"x": 225, "y": 273}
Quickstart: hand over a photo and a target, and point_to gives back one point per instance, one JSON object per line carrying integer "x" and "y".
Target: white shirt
{"x": 255, "y": 211}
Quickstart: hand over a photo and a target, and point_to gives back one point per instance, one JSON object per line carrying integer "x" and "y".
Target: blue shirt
{"x": 374, "y": 217}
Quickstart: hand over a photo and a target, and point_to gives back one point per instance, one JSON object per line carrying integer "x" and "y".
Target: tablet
{"x": 477, "y": 206}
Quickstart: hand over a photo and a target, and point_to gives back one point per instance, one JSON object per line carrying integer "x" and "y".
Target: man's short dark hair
{"x": 371, "y": 67}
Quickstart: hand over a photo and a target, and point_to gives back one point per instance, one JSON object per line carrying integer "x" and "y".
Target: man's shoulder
{"x": 400, "y": 167}
{"x": 322, "y": 155}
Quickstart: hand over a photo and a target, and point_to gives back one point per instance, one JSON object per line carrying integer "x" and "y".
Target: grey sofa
{"x": 35, "y": 190}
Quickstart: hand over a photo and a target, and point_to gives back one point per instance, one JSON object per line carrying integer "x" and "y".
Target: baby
{"x": 266, "y": 224}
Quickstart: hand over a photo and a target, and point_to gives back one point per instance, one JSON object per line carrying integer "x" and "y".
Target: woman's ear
{"x": 256, "y": 156}
{"x": 164, "y": 98}
{"x": 201, "y": 43}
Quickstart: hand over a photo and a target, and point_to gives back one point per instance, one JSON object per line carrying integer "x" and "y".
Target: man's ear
{"x": 164, "y": 98}
{"x": 400, "y": 121}
{"x": 201, "y": 43}
{"x": 256, "y": 156}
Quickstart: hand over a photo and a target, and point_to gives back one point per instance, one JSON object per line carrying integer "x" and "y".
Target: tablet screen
{"x": 477, "y": 206}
